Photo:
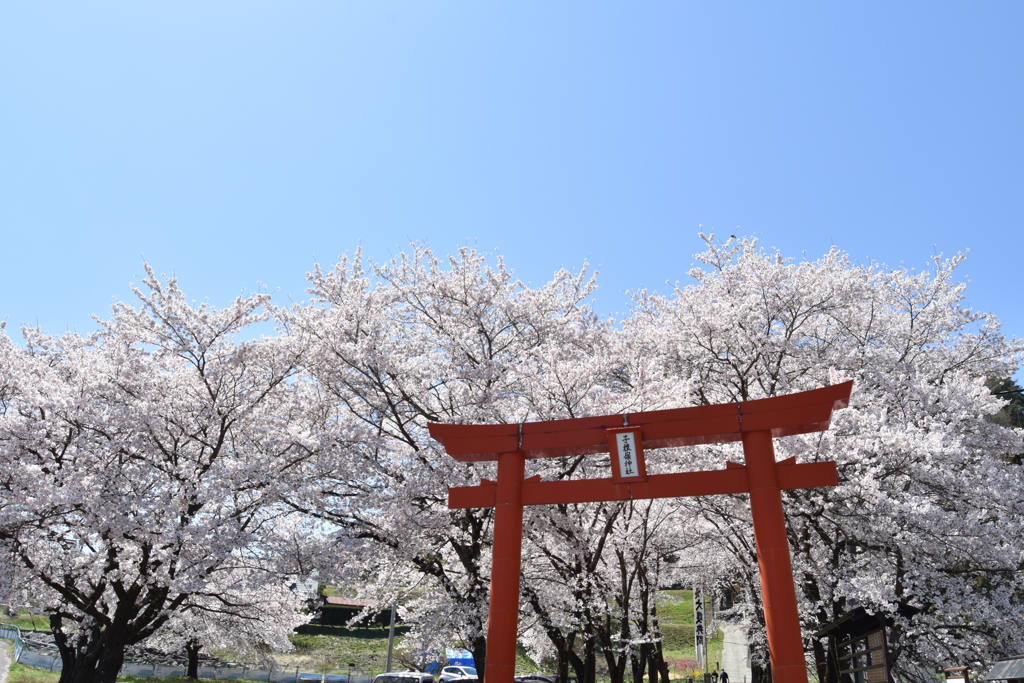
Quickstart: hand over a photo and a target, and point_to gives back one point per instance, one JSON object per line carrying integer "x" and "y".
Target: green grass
{"x": 27, "y": 622}
{"x": 365, "y": 632}
{"x": 170, "y": 679}
{"x": 677, "y": 606}
{"x": 19, "y": 673}
{"x": 333, "y": 648}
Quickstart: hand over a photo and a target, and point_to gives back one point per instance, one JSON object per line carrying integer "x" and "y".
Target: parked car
{"x": 452, "y": 672}
{"x": 404, "y": 677}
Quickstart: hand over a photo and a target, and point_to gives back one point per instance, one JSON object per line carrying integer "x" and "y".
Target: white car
{"x": 404, "y": 677}
{"x": 450, "y": 672}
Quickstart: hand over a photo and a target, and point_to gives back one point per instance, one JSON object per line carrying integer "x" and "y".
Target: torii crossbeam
{"x": 755, "y": 423}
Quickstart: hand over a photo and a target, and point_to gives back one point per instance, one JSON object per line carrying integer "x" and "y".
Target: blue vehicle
{"x": 459, "y": 657}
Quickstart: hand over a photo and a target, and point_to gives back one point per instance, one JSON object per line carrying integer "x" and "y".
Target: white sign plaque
{"x": 627, "y": 454}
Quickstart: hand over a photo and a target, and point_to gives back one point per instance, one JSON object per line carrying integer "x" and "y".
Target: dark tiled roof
{"x": 1007, "y": 669}
{"x": 347, "y": 602}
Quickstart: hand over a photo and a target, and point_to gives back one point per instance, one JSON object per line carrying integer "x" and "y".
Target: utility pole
{"x": 391, "y": 636}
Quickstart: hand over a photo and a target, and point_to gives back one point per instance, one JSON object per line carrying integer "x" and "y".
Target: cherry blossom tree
{"x": 142, "y": 464}
{"x": 414, "y": 340}
{"x": 421, "y": 339}
{"x": 926, "y": 525}
{"x": 592, "y": 578}
{"x": 145, "y": 468}
{"x": 239, "y": 611}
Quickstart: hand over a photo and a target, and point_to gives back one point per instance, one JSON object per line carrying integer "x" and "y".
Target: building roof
{"x": 1007, "y": 669}
{"x": 338, "y": 601}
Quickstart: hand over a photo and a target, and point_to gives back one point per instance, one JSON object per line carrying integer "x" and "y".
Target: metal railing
{"x": 164, "y": 667}
{"x": 13, "y": 633}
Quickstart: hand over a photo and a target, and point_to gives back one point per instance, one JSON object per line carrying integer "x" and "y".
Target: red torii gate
{"x": 755, "y": 423}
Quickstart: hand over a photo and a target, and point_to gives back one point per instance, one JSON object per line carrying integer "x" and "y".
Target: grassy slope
{"x": 332, "y": 648}
{"x": 676, "y": 618}
{"x": 27, "y": 622}
{"x": 20, "y": 673}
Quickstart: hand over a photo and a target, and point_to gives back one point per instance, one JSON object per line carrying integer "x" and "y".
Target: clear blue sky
{"x": 236, "y": 143}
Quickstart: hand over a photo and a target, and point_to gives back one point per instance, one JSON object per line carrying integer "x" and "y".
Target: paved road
{"x": 736, "y": 655}
{"x": 4, "y": 663}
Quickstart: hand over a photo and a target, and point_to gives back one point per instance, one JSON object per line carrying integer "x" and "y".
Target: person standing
{"x": 723, "y": 677}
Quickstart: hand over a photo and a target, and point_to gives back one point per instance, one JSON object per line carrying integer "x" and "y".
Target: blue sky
{"x": 236, "y": 143}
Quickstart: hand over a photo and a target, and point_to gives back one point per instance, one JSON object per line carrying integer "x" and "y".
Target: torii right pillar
{"x": 778, "y": 593}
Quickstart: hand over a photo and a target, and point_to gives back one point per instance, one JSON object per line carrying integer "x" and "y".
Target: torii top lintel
{"x": 801, "y": 413}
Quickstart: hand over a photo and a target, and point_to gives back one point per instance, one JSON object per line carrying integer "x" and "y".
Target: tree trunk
{"x": 656, "y": 665}
{"x": 562, "y": 663}
{"x": 192, "y": 649}
{"x": 567, "y": 657}
{"x": 590, "y": 662}
{"x": 658, "y": 662}
{"x": 824, "y": 661}
{"x": 64, "y": 647}
{"x": 478, "y": 646}
{"x": 94, "y": 655}
{"x": 638, "y": 663}
{"x": 584, "y": 667}
{"x": 616, "y": 664}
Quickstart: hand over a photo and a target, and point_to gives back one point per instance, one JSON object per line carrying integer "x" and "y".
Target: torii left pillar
{"x": 755, "y": 423}
{"x": 507, "y": 552}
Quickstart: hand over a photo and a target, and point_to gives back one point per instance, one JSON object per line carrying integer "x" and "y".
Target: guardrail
{"x": 165, "y": 667}
{"x": 13, "y": 633}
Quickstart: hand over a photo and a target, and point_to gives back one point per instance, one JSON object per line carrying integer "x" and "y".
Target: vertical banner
{"x": 699, "y": 636}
